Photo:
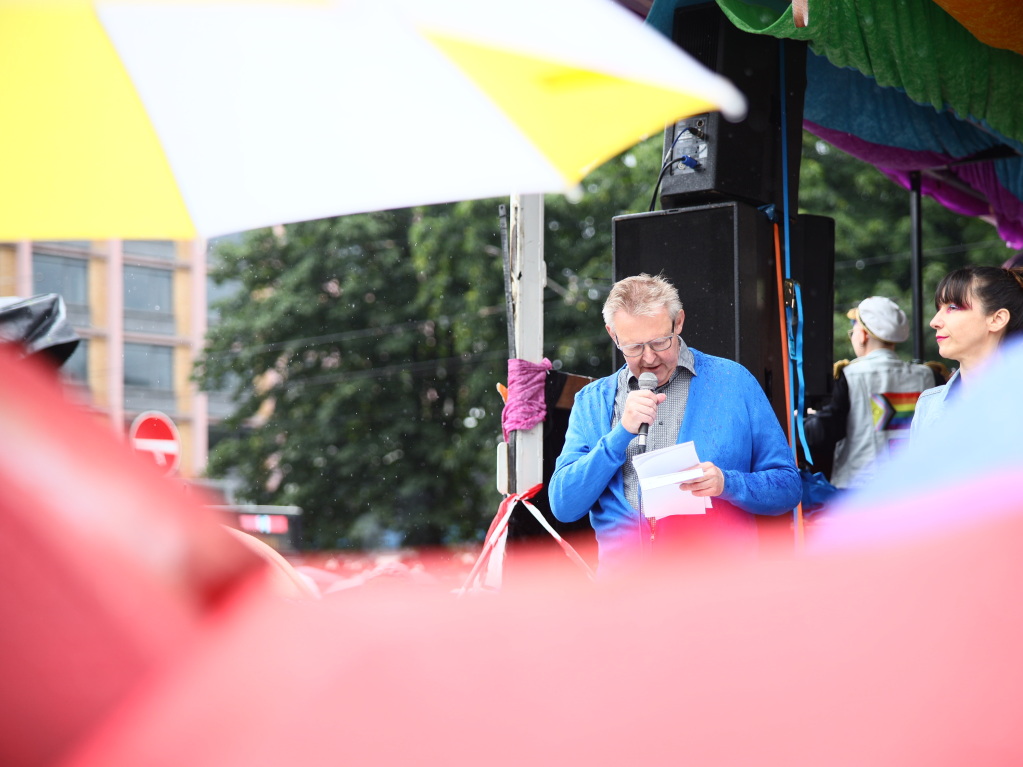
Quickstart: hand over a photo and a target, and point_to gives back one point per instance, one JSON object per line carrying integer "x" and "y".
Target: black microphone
{"x": 647, "y": 381}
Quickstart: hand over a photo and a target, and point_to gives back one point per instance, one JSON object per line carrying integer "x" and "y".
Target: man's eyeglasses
{"x": 656, "y": 345}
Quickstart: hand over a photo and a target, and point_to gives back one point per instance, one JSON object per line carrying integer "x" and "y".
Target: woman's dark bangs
{"x": 954, "y": 289}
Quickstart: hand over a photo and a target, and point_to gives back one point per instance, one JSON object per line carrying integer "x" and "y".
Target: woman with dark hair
{"x": 978, "y": 308}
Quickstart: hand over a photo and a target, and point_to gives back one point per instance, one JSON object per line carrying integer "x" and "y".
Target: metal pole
{"x": 916, "y": 264}
{"x": 23, "y": 287}
{"x": 509, "y": 303}
{"x": 115, "y": 335}
{"x": 197, "y": 337}
{"x": 528, "y": 279}
{"x": 506, "y": 450}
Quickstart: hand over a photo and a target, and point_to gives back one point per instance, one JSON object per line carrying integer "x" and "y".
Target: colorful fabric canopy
{"x": 998, "y": 23}
{"x": 881, "y": 126}
{"x": 910, "y": 87}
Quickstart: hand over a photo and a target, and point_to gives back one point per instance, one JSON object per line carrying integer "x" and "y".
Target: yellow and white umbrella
{"x": 168, "y": 120}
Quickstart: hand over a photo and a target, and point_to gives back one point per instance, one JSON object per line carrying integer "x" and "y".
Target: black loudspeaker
{"x": 721, "y": 259}
{"x": 812, "y": 262}
{"x": 737, "y": 161}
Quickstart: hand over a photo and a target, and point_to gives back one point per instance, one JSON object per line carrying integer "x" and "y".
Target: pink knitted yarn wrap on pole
{"x": 526, "y": 406}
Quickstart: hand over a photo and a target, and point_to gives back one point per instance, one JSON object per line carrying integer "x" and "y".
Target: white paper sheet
{"x": 660, "y": 473}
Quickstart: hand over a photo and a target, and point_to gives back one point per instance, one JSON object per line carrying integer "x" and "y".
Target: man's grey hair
{"x": 642, "y": 296}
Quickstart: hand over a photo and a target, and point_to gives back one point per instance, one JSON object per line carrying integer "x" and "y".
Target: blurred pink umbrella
{"x": 904, "y": 655}
{"x": 138, "y": 633}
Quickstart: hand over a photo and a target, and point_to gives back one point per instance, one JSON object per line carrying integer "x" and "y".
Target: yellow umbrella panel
{"x": 170, "y": 120}
{"x": 79, "y": 157}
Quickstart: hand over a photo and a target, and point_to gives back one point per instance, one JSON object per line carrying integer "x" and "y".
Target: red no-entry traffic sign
{"x": 154, "y": 435}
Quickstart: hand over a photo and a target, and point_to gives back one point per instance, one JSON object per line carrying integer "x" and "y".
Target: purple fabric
{"x": 878, "y": 154}
{"x": 1005, "y": 210}
{"x": 954, "y": 199}
{"x": 1001, "y": 206}
{"x": 526, "y": 405}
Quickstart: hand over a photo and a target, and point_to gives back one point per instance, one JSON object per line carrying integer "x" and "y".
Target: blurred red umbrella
{"x": 107, "y": 568}
{"x": 903, "y": 655}
{"x": 138, "y": 633}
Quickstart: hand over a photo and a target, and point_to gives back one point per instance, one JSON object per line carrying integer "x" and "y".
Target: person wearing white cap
{"x": 872, "y": 404}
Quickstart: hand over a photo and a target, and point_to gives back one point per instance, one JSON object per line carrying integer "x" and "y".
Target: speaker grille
{"x": 696, "y": 32}
{"x": 721, "y": 258}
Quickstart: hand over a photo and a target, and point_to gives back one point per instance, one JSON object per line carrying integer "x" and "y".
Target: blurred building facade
{"x": 141, "y": 309}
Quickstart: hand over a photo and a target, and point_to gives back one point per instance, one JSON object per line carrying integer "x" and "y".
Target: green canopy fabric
{"x": 910, "y": 44}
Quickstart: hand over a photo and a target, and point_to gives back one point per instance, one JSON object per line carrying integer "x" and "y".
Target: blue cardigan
{"x": 731, "y": 423}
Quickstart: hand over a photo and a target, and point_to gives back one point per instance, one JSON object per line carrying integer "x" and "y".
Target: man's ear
{"x": 610, "y": 332}
{"x": 680, "y": 319}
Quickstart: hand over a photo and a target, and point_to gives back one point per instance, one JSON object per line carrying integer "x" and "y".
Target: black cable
{"x": 667, "y": 162}
{"x": 657, "y": 186}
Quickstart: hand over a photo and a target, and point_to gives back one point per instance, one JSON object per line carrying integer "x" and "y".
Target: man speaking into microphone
{"x": 667, "y": 393}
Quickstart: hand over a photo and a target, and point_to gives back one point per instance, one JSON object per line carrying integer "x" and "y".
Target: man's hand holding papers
{"x": 710, "y": 484}
{"x": 660, "y": 480}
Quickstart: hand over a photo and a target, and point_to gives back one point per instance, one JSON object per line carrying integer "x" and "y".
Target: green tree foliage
{"x": 349, "y": 403}
{"x": 363, "y": 353}
{"x": 578, "y": 254}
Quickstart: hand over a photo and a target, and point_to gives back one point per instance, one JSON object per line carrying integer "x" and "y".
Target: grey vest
{"x": 882, "y": 396}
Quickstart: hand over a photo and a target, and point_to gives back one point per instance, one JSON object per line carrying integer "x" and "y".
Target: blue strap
{"x": 795, "y": 323}
{"x": 799, "y": 368}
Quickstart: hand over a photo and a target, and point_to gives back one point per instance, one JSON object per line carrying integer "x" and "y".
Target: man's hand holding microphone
{"x": 641, "y": 407}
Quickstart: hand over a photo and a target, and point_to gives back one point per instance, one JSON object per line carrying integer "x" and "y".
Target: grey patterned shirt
{"x": 664, "y": 430}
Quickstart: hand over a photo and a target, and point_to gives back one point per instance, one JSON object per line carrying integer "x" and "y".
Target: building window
{"x": 149, "y": 377}
{"x": 68, "y": 277}
{"x": 216, "y": 293}
{"x": 82, "y": 245}
{"x": 148, "y": 300}
{"x": 76, "y": 367}
{"x": 150, "y": 248}
{"x": 149, "y": 366}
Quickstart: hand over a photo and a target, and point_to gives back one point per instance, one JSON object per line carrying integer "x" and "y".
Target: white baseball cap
{"x": 882, "y": 318}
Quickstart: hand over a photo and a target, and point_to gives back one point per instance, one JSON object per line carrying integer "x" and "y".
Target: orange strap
{"x": 798, "y": 516}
